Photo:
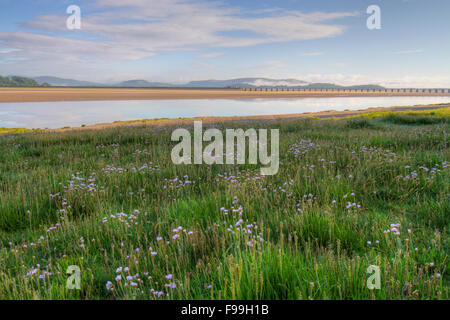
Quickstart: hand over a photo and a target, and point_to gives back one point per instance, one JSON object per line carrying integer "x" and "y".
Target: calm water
{"x": 61, "y": 114}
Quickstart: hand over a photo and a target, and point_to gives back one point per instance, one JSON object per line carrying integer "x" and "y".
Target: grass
{"x": 359, "y": 124}
{"x": 13, "y": 130}
{"x": 100, "y": 199}
{"x": 441, "y": 112}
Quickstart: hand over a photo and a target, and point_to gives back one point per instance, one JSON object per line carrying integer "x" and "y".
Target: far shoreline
{"x": 59, "y": 94}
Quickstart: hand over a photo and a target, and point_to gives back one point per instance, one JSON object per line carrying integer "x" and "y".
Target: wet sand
{"x": 95, "y": 94}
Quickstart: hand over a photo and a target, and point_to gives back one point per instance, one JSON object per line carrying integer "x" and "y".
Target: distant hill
{"x": 273, "y": 83}
{"x": 142, "y": 84}
{"x": 16, "y": 81}
{"x": 232, "y": 83}
{"x": 228, "y": 83}
{"x": 247, "y": 83}
{"x": 334, "y": 86}
{"x": 61, "y": 82}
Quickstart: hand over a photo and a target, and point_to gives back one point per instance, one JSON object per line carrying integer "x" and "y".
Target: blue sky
{"x": 183, "y": 40}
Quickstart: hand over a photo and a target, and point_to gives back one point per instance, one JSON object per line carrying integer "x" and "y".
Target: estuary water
{"x": 76, "y": 113}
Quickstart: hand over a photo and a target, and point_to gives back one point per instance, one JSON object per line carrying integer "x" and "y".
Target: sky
{"x": 182, "y": 40}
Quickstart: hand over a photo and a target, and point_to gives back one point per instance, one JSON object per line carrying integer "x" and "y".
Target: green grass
{"x": 359, "y": 124}
{"x": 411, "y": 119}
{"x": 306, "y": 243}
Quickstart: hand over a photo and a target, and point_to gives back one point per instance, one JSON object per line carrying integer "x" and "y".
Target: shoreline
{"x": 324, "y": 115}
{"x": 51, "y": 94}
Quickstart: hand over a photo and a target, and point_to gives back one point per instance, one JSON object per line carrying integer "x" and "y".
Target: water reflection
{"x": 60, "y": 114}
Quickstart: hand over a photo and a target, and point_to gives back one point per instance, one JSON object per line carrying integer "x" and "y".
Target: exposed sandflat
{"x": 87, "y": 94}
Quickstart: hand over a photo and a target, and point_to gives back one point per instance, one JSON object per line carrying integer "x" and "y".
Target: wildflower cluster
{"x": 302, "y": 147}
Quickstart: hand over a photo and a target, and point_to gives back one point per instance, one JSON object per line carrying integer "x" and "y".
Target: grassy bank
{"x": 349, "y": 193}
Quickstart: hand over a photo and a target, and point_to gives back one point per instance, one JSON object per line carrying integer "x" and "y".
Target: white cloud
{"x": 211, "y": 55}
{"x": 120, "y": 31}
{"x": 270, "y": 82}
{"x": 7, "y": 50}
{"x": 42, "y": 47}
{"x": 402, "y": 81}
{"x": 311, "y": 54}
{"x": 418, "y": 81}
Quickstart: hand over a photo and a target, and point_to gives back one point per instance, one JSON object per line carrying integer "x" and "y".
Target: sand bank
{"x": 92, "y": 94}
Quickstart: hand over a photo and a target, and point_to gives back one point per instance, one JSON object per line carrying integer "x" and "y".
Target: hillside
{"x": 211, "y": 83}
{"x": 16, "y": 81}
{"x": 62, "y": 82}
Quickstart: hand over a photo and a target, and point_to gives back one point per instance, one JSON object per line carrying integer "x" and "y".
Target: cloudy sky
{"x": 183, "y": 40}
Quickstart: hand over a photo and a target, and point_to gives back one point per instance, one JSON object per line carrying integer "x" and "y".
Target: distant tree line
{"x": 16, "y": 81}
